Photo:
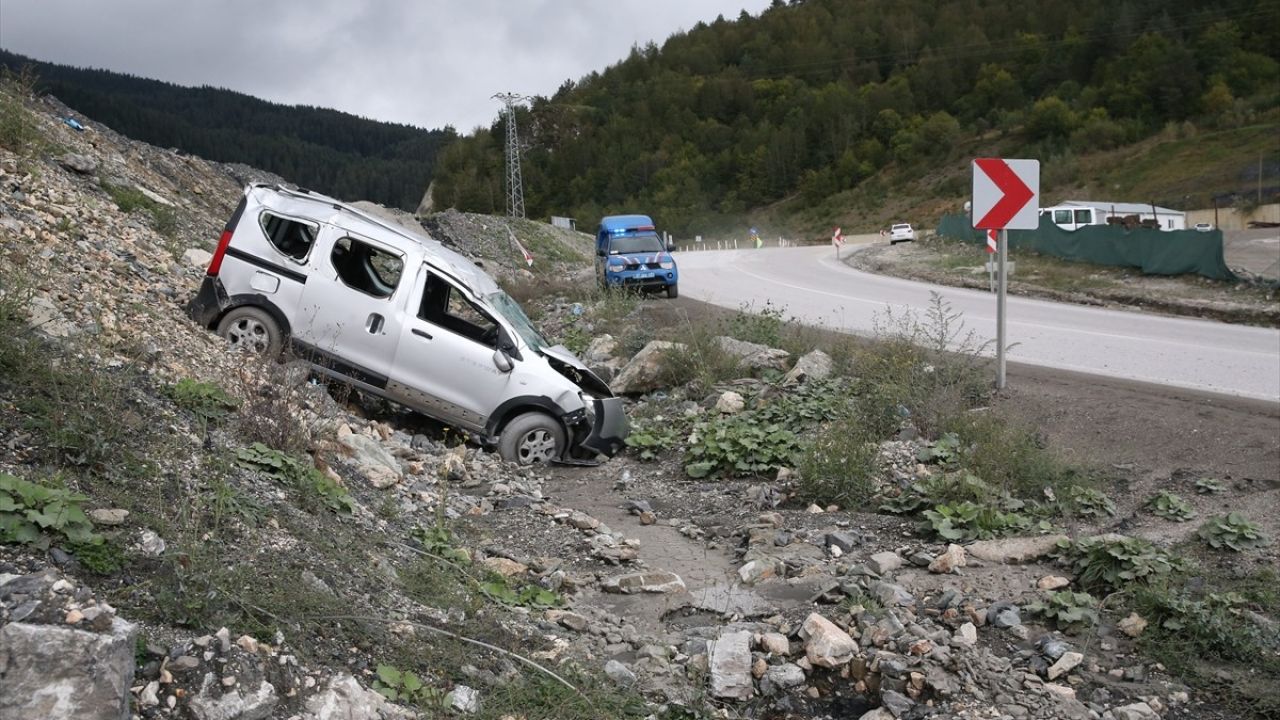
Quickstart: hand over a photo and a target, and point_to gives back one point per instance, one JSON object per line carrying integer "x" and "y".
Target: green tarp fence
{"x": 1156, "y": 252}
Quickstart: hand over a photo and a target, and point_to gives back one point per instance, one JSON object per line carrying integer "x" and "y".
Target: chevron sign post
{"x": 1006, "y": 196}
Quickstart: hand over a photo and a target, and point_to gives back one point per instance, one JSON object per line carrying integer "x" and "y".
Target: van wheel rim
{"x": 249, "y": 334}
{"x": 537, "y": 446}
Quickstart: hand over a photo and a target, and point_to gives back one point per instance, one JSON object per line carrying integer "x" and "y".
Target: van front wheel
{"x": 673, "y": 291}
{"x": 253, "y": 329}
{"x": 532, "y": 438}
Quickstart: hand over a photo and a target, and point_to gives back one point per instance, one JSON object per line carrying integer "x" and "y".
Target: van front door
{"x": 444, "y": 361}
{"x": 349, "y": 319}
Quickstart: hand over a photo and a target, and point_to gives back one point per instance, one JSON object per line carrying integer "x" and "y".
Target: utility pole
{"x": 515, "y": 187}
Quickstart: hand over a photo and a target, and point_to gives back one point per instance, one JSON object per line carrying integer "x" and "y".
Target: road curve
{"x": 817, "y": 289}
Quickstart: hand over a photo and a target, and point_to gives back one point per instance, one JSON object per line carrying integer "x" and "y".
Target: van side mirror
{"x": 502, "y": 361}
{"x": 600, "y": 253}
{"x": 671, "y": 246}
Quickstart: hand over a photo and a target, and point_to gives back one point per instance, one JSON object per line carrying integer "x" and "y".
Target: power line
{"x": 515, "y": 186}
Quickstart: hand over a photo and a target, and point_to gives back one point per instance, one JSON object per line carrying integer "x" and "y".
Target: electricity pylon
{"x": 515, "y": 187}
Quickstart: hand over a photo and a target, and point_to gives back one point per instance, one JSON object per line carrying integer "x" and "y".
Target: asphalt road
{"x": 815, "y": 288}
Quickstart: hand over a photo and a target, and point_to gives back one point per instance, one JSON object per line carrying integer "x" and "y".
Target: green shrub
{"x": 1232, "y": 532}
{"x": 1068, "y": 610}
{"x": 1209, "y": 486}
{"x": 653, "y": 437}
{"x": 34, "y": 514}
{"x": 1105, "y": 565}
{"x": 313, "y": 485}
{"x": 698, "y": 361}
{"x": 205, "y": 400}
{"x": 973, "y": 521}
{"x": 1089, "y": 502}
{"x": 1011, "y": 457}
{"x": 763, "y": 327}
{"x": 406, "y": 687}
{"x": 738, "y": 445}
{"x": 1170, "y": 507}
{"x": 19, "y": 128}
{"x": 838, "y": 466}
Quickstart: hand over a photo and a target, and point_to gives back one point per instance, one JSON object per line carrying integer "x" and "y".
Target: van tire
{"x": 530, "y": 438}
{"x": 252, "y": 329}
{"x": 673, "y": 291}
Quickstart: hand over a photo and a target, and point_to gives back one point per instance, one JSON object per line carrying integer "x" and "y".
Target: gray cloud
{"x": 427, "y": 63}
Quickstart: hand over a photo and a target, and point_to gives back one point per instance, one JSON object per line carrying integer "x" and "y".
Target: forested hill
{"x": 814, "y": 98}
{"x": 337, "y": 153}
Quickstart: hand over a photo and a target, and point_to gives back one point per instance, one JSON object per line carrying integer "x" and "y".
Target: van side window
{"x": 1062, "y": 217}
{"x": 366, "y": 268}
{"x": 1084, "y": 216}
{"x": 290, "y": 237}
{"x": 443, "y": 305}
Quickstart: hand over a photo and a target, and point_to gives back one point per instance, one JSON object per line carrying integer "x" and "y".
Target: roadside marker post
{"x": 1006, "y": 196}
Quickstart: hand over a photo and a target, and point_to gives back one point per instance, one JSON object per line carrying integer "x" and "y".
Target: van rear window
{"x": 291, "y": 237}
{"x": 366, "y": 268}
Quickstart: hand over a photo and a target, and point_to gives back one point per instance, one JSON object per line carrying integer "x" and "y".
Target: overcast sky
{"x": 427, "y": 63}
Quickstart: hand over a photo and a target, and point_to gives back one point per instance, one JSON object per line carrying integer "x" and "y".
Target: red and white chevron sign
{"x": 1006, "y": 194}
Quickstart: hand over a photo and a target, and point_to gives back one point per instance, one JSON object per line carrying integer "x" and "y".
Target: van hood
{"x": 571, "y": 367}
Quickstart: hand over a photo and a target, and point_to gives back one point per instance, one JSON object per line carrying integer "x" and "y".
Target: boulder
{"x": 826, "y": 645}
{"x": 884, "y": 562}
{"x": 948, "y": 561}
{"x": 345, "y": 699}
{"x": 752, "y": 355}
{"x": 241, "y": 702}
{"x": 641, "y": 374}
{"x": 783, "y": 677}
{"x": 1135, "y": 711}
{"x": 730, "y": 403}
{"x": 815, "y": 365}
{"x": 731, "y": 666}
{"x": 1065, "y": 664}
{"x": 57, "y": 673}
{"x": 649, "y": 582}
{"x": 1014, "y": 549}
{"x": 373, "y": 460}
{"x": 83, "y": 164}
{"x": 196, "y": 257}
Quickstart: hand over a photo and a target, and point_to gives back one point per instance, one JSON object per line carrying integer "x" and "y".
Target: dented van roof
{"x": 322, "y": 208}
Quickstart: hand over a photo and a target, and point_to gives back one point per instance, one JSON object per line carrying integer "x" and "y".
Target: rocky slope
{"x": 268, "y": 547}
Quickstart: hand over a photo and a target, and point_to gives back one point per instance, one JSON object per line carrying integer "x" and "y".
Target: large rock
{"x": 648, "y": 582}
{"x": 641, "y": 374}
{"x": 345, "y": 699}
{"x": 83, "y": 164}
{"x": 752, "y": 355}
{"x": 815, "y": 365}
{"x": 252, "y": 702}
{"x": 1014, "y": 549}
{"x": 56, "y": 673}
{"x": 373, "y": 460}
{"x": 826, "y": 645}
{"x": 731, "y": 666}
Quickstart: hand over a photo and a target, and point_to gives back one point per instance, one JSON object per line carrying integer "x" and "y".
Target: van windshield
{"x": 514, "y": 314}
{"x": 628, "y": 244}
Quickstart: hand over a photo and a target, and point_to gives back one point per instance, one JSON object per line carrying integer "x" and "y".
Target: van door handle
{"x": 374, "y": 324}
{"x": 422, "y": 333}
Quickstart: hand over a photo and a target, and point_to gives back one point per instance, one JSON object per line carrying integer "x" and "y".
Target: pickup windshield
{"x": 628, "y": 244}
{"x": 513, "y": 314}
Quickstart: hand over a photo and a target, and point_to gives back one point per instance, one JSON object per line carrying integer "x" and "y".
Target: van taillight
{"x": 216, "y": 263}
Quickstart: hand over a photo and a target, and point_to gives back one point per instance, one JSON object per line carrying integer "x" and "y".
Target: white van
{"x": 397, "y": 314}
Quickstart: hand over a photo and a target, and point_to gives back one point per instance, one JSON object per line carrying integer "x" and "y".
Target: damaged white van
{"x": 397, "y": 314}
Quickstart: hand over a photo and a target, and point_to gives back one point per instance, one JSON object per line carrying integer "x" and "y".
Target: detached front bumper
{"x": 208, "y": 303}
{"x": 609, "y": 431}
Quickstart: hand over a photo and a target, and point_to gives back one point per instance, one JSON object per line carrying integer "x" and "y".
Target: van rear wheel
{"x": 252, "y": 329}
{"x": 532, "y": 438}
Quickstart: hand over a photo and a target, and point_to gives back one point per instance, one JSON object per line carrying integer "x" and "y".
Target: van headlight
{"x": 616, "y": 266}
{"x": 667, "y": 264}
{"x": 589, "y": 408}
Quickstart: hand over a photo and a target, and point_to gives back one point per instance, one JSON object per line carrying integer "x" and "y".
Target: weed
{"x": 404, "y": 686}
{"x": 1170, "y": 507}
{"x": 1209, "y": 486}
{"x": 838, "y": 465}
{"x": 945, "y": 451}
{"x": 438, "y": 541}
{"x": 1089, "y": 502}
{"x": 205, "y": 400}
{"x": 698, "y": 360}
{"x": 763, "y": 327}
{"x": 1068, "y": 610}
{"x": 226, "y": 501}
{"x": 738, "y": 445}
{"x": 530, "y": 596}
{"x": 1107, "y": 565}
{"x": 103, "y": 558}
{"x": 164, "y": 219}
{"x": 315, "y": 486}
{"x": 972, "y": 521}
{"x": 34, "y": 514}
{"x": 1232, "y": 531}
{"x": 860, "y": 602}
{"x": 1011, "y": 457}
{"x": 650, "y": 438}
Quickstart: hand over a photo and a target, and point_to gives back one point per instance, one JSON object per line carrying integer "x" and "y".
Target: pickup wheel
{"x": 252, "y": 329}
{"x": 530, "y": 438}
{"x": 673, "y": 290}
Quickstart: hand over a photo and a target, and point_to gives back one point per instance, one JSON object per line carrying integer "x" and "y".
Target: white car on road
{"x": 901, "y": 232}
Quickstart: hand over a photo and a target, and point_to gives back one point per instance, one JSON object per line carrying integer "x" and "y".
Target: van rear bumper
{"x": 609, "y": 431}
{"x": 209, "y": 302}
